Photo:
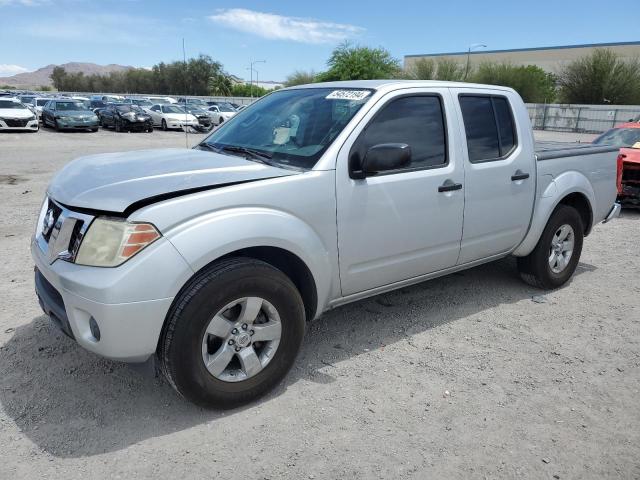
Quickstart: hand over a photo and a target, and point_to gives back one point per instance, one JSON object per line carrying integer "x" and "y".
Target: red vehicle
{"x": 627, "y": 137}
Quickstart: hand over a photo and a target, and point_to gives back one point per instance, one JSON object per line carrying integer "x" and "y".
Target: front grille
{"x": 631, "y": 172}
{"x": 60, "y": 231}
{"x": 14, "y": 122}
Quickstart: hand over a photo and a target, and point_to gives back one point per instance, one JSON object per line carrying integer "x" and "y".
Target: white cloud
{"x": 278, "y": 27}
{"x": 7, "y": 70}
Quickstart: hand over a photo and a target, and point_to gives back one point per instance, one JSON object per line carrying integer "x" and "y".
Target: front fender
{"x": 206, "y": 238}
{"x": 551, "y": 193}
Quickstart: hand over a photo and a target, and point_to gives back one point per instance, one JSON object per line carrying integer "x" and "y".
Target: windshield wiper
{"x": 248, "y": 153}
{"x": 256, "y": 154}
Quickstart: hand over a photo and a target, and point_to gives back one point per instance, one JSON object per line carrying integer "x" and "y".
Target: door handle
{"x": 449, "y": 186}
{"x": 519, "y": 175}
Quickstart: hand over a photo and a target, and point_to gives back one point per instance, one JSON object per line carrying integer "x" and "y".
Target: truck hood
{"x": 122, "y": 182}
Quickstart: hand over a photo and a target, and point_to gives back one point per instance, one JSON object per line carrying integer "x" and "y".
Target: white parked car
{"x": 169, "y": 116}
{"x": 38, "y": 103}
{"x": 14, "y": 115}
{"x": 222, "y": 113}
{"x": 162, "y": 99}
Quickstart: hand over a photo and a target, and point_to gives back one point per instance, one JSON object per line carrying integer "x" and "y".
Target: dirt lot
{"x": 475, "y": 375}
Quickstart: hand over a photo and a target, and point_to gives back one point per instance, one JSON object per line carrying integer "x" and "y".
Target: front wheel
{"x": 164, "y": 125}
{"x": 118, "y": 125}
{"x": 552, "y": 263}
{"x": 232, "y": 333}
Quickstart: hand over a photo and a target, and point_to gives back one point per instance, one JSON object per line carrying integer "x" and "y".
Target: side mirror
{"x": 384, "y": 157}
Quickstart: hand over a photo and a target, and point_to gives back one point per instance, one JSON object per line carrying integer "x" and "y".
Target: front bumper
{"x": 92, "y": 123}
{"x": 24, "y": 125}
{"x": 613, "y": 213}
{"x": 181, "y": 124}
{"x": 136, "y": 124}
{"x": 129, "y": 303}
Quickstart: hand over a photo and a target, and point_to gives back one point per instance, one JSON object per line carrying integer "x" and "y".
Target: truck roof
{"x": 391, "y": 84}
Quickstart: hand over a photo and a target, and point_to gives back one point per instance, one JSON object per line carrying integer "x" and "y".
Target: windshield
{"x": 292, "y": 127}
{"x": 41, "y": 101}
{"x": 11, "y": 104}
{"x": 171, "y": 109}
{"x": 143, "y": 103}
{"x": 226, "y": 107}
{"x": 619, "y": 137}
{"x": 70, "y": 106}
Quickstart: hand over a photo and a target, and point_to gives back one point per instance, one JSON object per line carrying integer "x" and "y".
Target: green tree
{"x": 601, "y": 77}
{"x": 449, "y": 69}
{"x": 246, "y": 90}
{"x": 219, "y": 84}
{"x": 58, "y": 77}
{"x": 422, "y": 69}
{"x": 532, "y": 83}
{"x": 300, "y": 77}
{"x": 349, "y": 62}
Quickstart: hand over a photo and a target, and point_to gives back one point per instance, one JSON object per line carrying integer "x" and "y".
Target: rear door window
{"x": 489, "y": 127}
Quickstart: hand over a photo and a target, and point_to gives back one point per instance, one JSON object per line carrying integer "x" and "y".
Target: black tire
{"x": 163, "y": 124}
{"x": 180, "y": 345}
{"x": 220, "y": 121}
{"x": 535, "y": 269}
{"x": 44, "y": 124}
{"x": 101, "y": 122}
{"x": 94, "y": 129}
{"x": 117, "y": 124}
{"x": 55, "y": 125}
{"x": 150, "y": 129}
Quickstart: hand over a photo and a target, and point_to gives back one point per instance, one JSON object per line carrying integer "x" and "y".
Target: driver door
{"x": 404, "y": 223}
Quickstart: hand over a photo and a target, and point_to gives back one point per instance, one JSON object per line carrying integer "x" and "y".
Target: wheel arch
{"x": 572, "y": 189}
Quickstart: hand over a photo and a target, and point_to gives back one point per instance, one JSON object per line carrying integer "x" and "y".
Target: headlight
{"x": 62, "y": 117}
{"x": 109, "y": 243}
{"x": 32, "y": 117}
{"x": 130, "y": 115}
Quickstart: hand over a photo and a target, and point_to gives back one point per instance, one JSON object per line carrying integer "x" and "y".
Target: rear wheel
{"x": 232, "y": 334}
{"x": 552, "y": 263}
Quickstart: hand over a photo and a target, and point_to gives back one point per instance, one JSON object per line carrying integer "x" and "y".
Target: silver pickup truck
{"x": 211, "y": 260}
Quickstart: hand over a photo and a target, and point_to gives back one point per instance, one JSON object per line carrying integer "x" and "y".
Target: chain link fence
{"x": 580, "y": 118}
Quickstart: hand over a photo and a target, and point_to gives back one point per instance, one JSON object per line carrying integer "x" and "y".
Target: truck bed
{"x": 549, "y": 150}
{"x": 595, "y": 162}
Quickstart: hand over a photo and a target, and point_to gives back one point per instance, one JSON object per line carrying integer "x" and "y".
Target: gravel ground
{"x": 475, "y": 375}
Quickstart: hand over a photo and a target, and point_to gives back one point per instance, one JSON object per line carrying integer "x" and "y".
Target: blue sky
{"x": 288, "y": 34}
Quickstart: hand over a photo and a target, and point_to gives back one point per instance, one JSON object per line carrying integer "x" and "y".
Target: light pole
{"x": 251, "y": 64}
{"x": 471, "y": 47}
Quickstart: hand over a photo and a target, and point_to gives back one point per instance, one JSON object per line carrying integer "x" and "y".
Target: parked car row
{"x": 113, "y": 111}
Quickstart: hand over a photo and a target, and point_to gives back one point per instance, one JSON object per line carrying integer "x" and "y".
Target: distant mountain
{"x": 41, "y": 76}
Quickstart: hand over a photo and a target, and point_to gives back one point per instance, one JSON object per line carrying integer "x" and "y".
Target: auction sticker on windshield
{"x": 348, "y": 95}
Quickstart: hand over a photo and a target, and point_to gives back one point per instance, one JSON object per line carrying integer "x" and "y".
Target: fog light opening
{"x": 95, "y": 330}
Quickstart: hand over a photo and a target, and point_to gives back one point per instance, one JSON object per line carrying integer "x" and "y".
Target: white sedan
{"x": 16, "y": 116}
{"x": 221, "y": 113}
{"x": 169, "y": 116}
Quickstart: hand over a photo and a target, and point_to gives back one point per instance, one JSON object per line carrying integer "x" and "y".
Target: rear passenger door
{"x": 402, "y": 223}
{"x": 499, "y": 173}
